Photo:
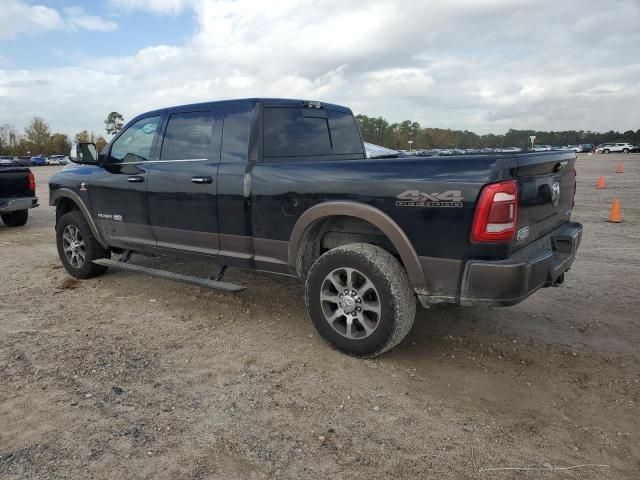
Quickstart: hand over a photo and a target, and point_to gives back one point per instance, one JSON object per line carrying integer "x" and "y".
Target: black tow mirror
{"x": 84, "y": 152}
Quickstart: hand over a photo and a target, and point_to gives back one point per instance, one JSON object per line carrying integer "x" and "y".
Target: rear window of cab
{"x": 304, "y": 132}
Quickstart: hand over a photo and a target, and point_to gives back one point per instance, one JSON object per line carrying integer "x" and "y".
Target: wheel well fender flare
{"x": 59, "y": 194}
{"x": 365, "y": 212}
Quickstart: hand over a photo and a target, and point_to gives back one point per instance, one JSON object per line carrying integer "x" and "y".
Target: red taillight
{"x": 32, "y": 182}
{"x": 496, "y": 213}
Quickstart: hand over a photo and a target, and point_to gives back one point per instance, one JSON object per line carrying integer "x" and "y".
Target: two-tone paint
{"x": 241, "y": 209}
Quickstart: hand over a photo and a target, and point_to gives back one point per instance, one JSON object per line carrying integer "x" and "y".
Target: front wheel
{"x": 606, "y": 150}
{"x": 77, "y": 247}
{"x": 626, "y": 150}
{"x": 15, "y": 219}
{"x": 360, "y": 300}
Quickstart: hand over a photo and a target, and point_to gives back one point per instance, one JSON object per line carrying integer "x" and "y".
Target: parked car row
{"x": 59, "y": 160}
{"x": 432, "y": 152}
{"x": 581, "y": 148}
{"x": 35, "y": 161}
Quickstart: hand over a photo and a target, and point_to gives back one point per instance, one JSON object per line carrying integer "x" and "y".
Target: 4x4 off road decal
{"x": 416, "y": 198}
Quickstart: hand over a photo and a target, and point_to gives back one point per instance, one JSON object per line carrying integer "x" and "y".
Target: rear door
{"x": 546, "y": 189}
{"x": 181, "y": 193}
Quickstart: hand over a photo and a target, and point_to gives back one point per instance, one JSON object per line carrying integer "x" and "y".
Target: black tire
{"x": 606, "y": 150}
{"x": 93, "y": 250}
{"x": 390, "y": 294}
{"x": 625, "y": 150}
{"x": 15, "y": 219}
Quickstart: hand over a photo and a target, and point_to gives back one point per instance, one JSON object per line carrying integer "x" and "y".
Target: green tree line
{"x": 397, "y": 136}
{"x": 37, "y": 139}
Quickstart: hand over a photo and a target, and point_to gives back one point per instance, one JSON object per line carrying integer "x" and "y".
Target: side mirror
{"x": 84, "y": 152}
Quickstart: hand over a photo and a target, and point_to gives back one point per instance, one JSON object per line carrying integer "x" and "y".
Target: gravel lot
{"x": 125, "y": 376}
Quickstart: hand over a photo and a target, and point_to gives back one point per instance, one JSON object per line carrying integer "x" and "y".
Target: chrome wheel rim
{"x": 350, "y": 303}
{"x": 73, "y": 246}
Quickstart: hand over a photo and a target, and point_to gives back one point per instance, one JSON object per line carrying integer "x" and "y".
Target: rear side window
{"x": 344, "y": 133}
{"x": 300, "y": 132}
{"x": 190, "y": 136}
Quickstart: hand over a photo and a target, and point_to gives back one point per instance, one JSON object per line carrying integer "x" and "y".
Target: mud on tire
{"x": 360, "y": 300}
{"x": 77, "y": 247}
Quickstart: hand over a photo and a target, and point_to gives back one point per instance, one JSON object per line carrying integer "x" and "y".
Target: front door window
{"x": 135, "y": 143}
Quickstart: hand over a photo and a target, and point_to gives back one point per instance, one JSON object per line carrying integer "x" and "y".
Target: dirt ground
{"x": 125, "y": 376}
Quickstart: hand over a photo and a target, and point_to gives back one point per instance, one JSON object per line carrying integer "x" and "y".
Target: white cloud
{"x": 77, "y": 18}
{"x": 156, "y": 6}
{"x": 483, "y": 65}
{"x": 18, "y": 17}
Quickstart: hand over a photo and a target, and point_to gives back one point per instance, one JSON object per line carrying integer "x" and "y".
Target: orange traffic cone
{"x": 619, "y": 168}
{"x": 601, "y": 183}
{"x": 614, "y": 216}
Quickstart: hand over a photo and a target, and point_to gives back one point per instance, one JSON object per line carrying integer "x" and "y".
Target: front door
{"x": 117, "y": 191}
{"x": 181, "y": 192}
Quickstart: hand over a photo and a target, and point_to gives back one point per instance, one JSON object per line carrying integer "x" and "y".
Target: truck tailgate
{"x": 14, "y": 182}
{"x": 546, "y": 189}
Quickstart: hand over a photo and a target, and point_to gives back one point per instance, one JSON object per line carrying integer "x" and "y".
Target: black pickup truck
{"x": 285, "y": 186}
{"x": 17, "y": 195}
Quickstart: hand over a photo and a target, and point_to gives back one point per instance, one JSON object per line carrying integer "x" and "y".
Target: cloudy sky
{"x": 482, "y": 65}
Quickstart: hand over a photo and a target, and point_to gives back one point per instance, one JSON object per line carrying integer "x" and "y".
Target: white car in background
{"x": 509, "y": 150}
{"x": 8, "y": 161}
{"x": 542, "y": 148}
{"x": 616, "y": 147}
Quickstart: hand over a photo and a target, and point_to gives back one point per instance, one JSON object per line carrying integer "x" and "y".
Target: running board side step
{"x": 177, "y": 277}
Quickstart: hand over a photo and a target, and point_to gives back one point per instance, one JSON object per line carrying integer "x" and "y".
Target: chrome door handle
{"x": 201, "y": 179}
{"x": 136, "y": 179}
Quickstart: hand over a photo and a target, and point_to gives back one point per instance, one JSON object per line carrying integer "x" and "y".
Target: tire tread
{"x": 94, "y": 249}
{"x": 397, "y": 279}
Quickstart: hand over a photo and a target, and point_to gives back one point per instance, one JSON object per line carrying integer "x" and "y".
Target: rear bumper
{"x": 8, "y": 205}
{"x": 507, "y": 282}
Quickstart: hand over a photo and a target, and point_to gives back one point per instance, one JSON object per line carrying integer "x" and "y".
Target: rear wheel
{"x": 15, "y": 219}
{"x": 606, "y": 150}
{"x": 77, "y": 247}
{"x": 625, "y": 150}
{"x": 360, "y": 299}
